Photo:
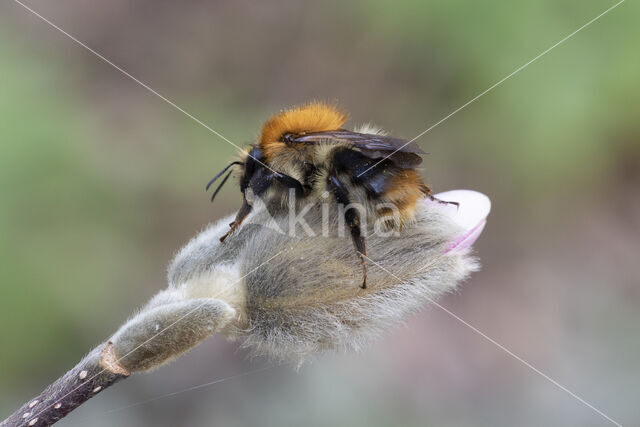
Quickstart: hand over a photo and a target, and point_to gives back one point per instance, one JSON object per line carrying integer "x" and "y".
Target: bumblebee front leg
{"x": 257, "y": 186}
{"x": 244, "y": 211}
{"x": 353, "y": 221}
{"x": 292, "y": 183}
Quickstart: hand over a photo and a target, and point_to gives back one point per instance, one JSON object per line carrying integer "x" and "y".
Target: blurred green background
{"x": 101, "y": 182}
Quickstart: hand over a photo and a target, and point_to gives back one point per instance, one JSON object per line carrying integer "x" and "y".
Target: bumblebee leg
{"x": 245, "y": 210}
{"x": 258, "y": 184}
{"x": 443, "y": 202}
{"x": 353, "y": 221}
{"x": 290, "y": 182}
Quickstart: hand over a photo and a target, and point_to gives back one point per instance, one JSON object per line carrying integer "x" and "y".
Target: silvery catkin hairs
{"x": 285, "y": 295}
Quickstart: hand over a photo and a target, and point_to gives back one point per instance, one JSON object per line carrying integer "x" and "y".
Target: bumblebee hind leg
{"x": 443, "y": 202}
{"x": 353, "y": 221}
{"x": 427, "y": 192}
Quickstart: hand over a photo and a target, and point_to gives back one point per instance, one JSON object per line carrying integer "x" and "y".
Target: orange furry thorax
{"x": 312, "y": 117}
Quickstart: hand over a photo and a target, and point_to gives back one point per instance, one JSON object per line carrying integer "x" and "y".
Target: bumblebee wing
{"x": 361, "y": 140}
{"x": 401, "y": 152}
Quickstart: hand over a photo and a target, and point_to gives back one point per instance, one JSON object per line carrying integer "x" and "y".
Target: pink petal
{"x": 471, "y": 215}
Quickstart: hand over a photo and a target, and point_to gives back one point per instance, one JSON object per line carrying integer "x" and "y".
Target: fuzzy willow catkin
{"x": 284, "y": 289}
{"x": 296, "y": 294}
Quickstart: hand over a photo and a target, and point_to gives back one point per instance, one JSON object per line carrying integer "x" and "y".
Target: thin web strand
{"x": 144, "y": 85}
{"x": 500, "y": 346}
{"x": 498, "y": 83}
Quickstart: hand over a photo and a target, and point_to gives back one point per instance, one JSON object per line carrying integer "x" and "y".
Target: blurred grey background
{"x": 101, "y": 182}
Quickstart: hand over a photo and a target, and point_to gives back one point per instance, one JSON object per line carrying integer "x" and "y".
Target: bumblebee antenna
{"x": 220, "y": 173}
{"x": 221, "y": 184}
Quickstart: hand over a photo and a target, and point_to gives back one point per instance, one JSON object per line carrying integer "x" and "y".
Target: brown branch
{"x": 156, "y": 335}
{"x": 97, "y": 371}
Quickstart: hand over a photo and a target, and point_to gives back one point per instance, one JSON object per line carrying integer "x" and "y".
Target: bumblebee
{"x": 307, "y": 150}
